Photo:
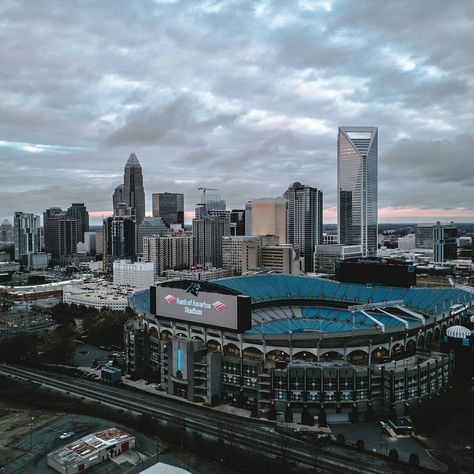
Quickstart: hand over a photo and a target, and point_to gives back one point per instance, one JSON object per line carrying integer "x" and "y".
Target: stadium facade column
{"x": 188, "y": 328}
{"x": 222, "y": 337}
{"x": 345, "y": 353}
{"x": 173, "y": 327}
{"x": 241, "y": 347}
{"x": 390, "y": 346}
{"x": 317, "y": 349}
{"x": 290, "y": 340}
{"x": 369, "y": 359}
{"x": 264, "y": 347}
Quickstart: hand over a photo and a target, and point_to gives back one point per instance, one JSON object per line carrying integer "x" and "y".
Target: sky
{"x": 243, "y": 96}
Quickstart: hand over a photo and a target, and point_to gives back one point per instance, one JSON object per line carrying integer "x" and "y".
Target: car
{"x": 66, "y": 435}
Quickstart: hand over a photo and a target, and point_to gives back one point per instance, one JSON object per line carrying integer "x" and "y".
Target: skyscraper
{"x": 26, "y": 234}
{"x": 237, "y": 222}
{"x": 60, "y": 234}
{"x": 132, "y": 191}
{"x": 150, "y": 226}
{"x": 357, "y": 156}
{"x": 268, "y": 217}
{"x": 444, "y": 242}
{"x": 6, "y": 232}
{"x": 79, "y": 212}
{"x": 168, "y": 206}
{"x": 304, "y": 223}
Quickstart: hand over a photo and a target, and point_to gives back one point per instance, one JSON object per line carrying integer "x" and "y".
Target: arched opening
{"x": 231, "y": 350}
{"x": 165, "y": 335}
{"x": 181, "y": 334}
{"x": 443, "y": 329}
{"x": 153, "y": 332}
{"x": 197, "y": 338}
{"x": 429, "y": 339}
{"x": 277, "y": 356}
{"x": 252, "y": 353}
{"x": 397, "y": 351}
{"x": 420, "y": 342}
{"x": 437, "y": 334}
{"x": 358, "y": 357}
{"x": 303, "y": 355}
{"x": 330, "y": 356}
{"x": 411, "y": 347}
{"x": 213, "y": 345}
{"x": 380, "y": 354}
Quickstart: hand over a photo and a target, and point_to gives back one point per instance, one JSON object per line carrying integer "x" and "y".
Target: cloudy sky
{"x": 244, "y": 96}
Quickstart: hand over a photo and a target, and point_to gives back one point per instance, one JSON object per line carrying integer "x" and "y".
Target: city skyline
{"x": 283, "y": 79}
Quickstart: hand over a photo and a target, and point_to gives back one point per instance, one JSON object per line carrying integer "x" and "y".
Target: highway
{"x": 249, "y": 433}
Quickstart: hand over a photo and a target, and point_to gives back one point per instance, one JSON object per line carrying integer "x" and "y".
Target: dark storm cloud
{"x": 244, "y": 96}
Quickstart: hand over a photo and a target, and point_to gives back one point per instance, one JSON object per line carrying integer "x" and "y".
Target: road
{"x": 252, "y": 434}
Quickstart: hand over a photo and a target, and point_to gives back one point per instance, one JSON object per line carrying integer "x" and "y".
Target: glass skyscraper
{"x": 357, "y": 156}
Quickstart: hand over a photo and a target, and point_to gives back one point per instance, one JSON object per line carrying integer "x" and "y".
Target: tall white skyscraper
{"x": 357, "y": 183}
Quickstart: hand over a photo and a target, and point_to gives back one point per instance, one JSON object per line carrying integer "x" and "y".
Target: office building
{"x": 169, "y": 206}
{"x": 444, "y": 242}
{"x": 304, "y": 225}
{"x": 131, "y": 191}
{"x": 150, "y": 226}
{"x": 60, "y": 234}
{"x": 237, "y": 222}
{"x": 233, "y": 254}
{"x": 208, "y": 232}
{"x": 325, "y": 256}
{"x": 119, "y": 236}
{"x": 171, "y": 252}
{"x": 79, "y": 212}
{"x": 90, "y": 243}
{"x": 281, "y": 258}
{"x": 248, "y": 218}
{"x": 6, "y": 232}
{"x": 424, "y": 236}
{"x": 99, "y": 241}
{"x": 407, "y": 242}
{"x": 357, "y": 157}
{"x": 26, "y": 234}
{"x": 268, "y": 217}
{"x": 135, "y": 274}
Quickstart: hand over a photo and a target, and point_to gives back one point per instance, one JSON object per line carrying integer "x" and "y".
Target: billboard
{"x": 197, "y": 306}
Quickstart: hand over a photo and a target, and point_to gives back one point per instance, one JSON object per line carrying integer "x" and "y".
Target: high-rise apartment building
{"x": 232, "y": 254}
{"x": 237, "y": 222}
{"x": 60, "y": 234}
{"x": 208, "y": 231}
{"x": 304, "y": 225}
{"x": 150, "y": 226}
{"x": 79, "y": 212}
{"x": 168, "y": 206}
{"x": 444, "y": 242}
{"x": 269, "y": 217}
{"x": 424, "y": 236}
{"x": 248, "y": 218}
{"x": 131, "y": 191}
{"x": 357, "y": 178}
{"x": 26, "y": 234}
{"x": 139, "y": 275}
{"x": 172, "y": 252}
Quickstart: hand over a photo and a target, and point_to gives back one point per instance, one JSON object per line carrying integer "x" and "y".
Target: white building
{"x": 198, "y": 274}
{"x": 90, "y": 450}
{"x": 97, "y": 295}
{"x": 408, "y": 242}
{"x": 139, "y": 275}
{"x": 325, "y": 256}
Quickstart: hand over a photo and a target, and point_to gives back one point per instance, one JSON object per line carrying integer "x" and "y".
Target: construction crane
{"x": 204, "y": 192}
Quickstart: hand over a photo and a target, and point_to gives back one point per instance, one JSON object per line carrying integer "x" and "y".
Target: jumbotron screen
{"x": 194, "y": 305}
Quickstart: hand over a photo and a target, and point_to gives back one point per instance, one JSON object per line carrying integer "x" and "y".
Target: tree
{"x": 393, "y": 455}
{"x": 414, "y": 460}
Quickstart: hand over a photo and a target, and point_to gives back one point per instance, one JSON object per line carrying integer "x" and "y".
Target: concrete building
{"x": 137, "y": 274}
{"x": 60, "y": 234}
{"x": 79, "y": 212}
{"x": 325, "y": 256}
{"x": 330, "y": 239}
{"x": 97, "y": 295}
{"x": 444, "y": 242}
{"x": 26, "y": 234}
{"x": 93, "y": 449}
{"x": 150, "y": 226}
{"x": 172, "y": 252}
{"x": 248, "y": 218}
{"x": 233, "y": 254}
{"x": 6, "y": 231}
{"x": 407, "y": 242}
{"x": 90, "y": 243}
{"x": 304, "y": 220}
{"x": 357, "y": 178}
{"x": 168, "y": 206}
{"x": 208, "y": 231}
{"x": 269, "y": 217}
{"x": 99, "y": 242}
{"x": 198, "y": 274}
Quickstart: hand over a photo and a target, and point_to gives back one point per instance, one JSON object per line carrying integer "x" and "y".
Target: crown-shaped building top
{"x": 133, "y": 162}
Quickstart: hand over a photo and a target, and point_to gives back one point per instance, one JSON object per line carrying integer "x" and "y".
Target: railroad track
{"x": 248, "y": 433}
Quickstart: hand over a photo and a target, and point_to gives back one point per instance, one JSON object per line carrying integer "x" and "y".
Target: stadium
{"x": 296, "y": 346}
